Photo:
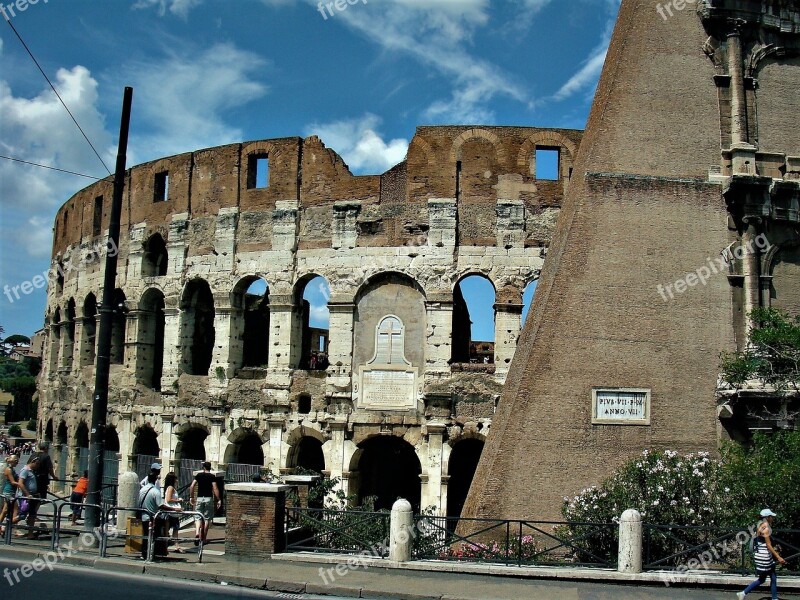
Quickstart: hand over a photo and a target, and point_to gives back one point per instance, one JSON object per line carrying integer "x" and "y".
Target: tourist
{"x": 155, "y": 470}
{"x": 174, "y": 501}
{"x": 151, "y": 501}
{"x": 78, "y": 495}
{"x": 203, "y": 493}
{"x": 764, "y": 555}
{"x": 27, "y": 498}
{"x": 44, "y": 472}
{"x": 9, "y": 485}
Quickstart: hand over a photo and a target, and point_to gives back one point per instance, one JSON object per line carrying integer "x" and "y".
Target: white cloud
{"x": 179, "y": 8}
{"x": 183, "y": 111}
{"x": 358, "y": 142}
{"x": 318, "y": 316}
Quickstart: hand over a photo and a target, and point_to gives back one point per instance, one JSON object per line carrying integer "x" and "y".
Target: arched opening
{"x": 82, "y": 447}
{"x": 61, "y": 433}
{"x": 68, "y": 341}
{"x": 155, "y": 260}
{"x": 388, "y": 469}
{"x": 55, "y": 340}
{"x": 527, "y": 299}
{"x": 89, "y": 330}
{"x": 461, "y": 469}
{"x": 111, "y": 440}
{"x": 62, "y": 454}
{"x": 150, "y": 345}
{"x": 473, "y": 320}
{"x": 251, "y": 297}
{"x": 249, "y": 451}
{"x": 48, "y": 431}
{"x": 311, "y": 323}
{"x": 197, "y": 327}
{"x": 191, "y": 453}
{"x": 244, "y": 456}
{"x": 307, "y": 455}
{"x": 118, "y": 328}
{"x": 146, "y": 449}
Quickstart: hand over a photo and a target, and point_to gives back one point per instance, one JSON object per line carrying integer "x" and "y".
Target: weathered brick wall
{"x": 254, "y": 528}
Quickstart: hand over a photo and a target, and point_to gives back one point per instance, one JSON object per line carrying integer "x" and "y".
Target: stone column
{"x": 272, "y": 449}
{"x": 213, "y": 442}
{"x": 280, "y": 331}
{"x": 335, "y": 459}
{"x": 125, "y": 434}
{"x": 751, "y": 260}
{"x": 167, "y": 442}
{"x": 507, "y": 325}
{"x": 221, "y": 355}
{"x": 225, "y": 239}
{"x": 439, "y": 350}
{"x": 339, "y": 384}
{"x": 743, "y": 153}
{"x": 401, "y": 526}
{"x": 630, "y": 542}
{"x": 172, "y": 350}
{"x": 176, "y": 243}
{"x": 136, "y": 251}
{"x": 86, "y": 332}
{"x": 433, "y": 467}
{"x": 67, "y": 344}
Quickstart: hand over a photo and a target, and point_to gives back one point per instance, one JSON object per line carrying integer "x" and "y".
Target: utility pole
{"x": 107, "y": 310}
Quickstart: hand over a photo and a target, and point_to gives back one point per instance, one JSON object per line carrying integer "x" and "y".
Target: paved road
{"x": 77, "y": 582}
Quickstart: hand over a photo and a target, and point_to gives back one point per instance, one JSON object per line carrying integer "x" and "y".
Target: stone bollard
{"x": 630, "y": 542}
{"x": 127, "y": 496}
{"x": 401, "y": 528}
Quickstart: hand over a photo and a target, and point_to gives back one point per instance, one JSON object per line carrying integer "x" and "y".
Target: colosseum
{"x": 216, "y": 352}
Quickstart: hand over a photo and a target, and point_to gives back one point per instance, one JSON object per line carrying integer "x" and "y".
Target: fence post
{"x": 629, "y": 557}
{"x": 401, "y": 524}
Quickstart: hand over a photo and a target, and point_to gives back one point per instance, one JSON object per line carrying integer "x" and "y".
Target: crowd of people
{"x": 27, "y": 485}
{"x": 7, "y": 448}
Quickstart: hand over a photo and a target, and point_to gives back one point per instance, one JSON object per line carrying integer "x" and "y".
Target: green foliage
{"x": 17, "y": 340}
{"x": 15, "y": 431}
{"x": 764, "y": 474}
{"x": 9, "y": 412}
{"x": 772, "y": 355}
{"x": 22, "y": 389}
{"x": 31, "y": 426}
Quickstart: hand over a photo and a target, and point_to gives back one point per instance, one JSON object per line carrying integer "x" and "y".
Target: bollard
{"x": 401, "y": 528}
{"x": 128, "y": 496}
{"x": 630, "y": 542}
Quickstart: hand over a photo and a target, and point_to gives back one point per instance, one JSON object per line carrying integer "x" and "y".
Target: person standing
{"x": 205, "y": 498}
{"x": 155, "y": 471}
{"x": 8, "y": 489}
{"x": 174, "y": 501}
{"x": 27, "y": 493}
{"x": 44, "y": 472}
{"x": 78, "y": 496}
{"x": 152, "y": 501}
{"x": 764, "y": 555}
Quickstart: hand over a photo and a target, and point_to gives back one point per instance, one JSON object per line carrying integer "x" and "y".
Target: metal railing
{"x": 34, "y": 530}
{"x": 341, "y": 532}
{"x": 514, "y": 542}
{"x": 722, "y": 549}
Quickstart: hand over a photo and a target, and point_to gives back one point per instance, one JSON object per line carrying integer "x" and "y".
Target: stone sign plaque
{"x": 383, "y": 389}
{"x": 620, "y": 406}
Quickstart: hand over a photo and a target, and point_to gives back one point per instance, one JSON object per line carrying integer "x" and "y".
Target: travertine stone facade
{"x": 204, "y": 369}
{"x": 691, "y": 150}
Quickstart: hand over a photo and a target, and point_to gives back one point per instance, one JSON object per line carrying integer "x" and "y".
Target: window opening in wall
{"x": 547, "y": 160}
{"x": 197, "y": 327}
{"x": 304, "y": 404}
{"x": 97, "y": 218}
{"x": 258, "y": 171}
{"x": 150, "y": 345}
{"x": 527, "y": 300}
{"x": 155, "y": 259}
{"x": 256, "y": 325}
{"x": 60, "y": 278}
{"x": 315, "y": 324}
{"x": 118, "y": 328}
{"x": 161, "y": 187}
{"x": 89, "y": 330}
{"x": 473, "y": 321}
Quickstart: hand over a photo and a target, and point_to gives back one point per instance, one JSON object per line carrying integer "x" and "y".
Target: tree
{"x": 772, "y": 354}
{"x": 17, "y": 340}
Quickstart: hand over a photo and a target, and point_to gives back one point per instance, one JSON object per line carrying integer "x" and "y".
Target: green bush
{"x": 31, "y": 426}
{"x": 14, "y": 431}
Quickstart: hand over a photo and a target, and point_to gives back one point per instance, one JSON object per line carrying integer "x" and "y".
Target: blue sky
{"x": 210, "y": 72}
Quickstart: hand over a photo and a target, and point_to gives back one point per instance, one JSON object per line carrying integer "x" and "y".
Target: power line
{"x": 19, "y": 160}
{"x": 74, "y": 120}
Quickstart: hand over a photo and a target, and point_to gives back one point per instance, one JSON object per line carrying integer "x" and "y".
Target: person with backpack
{"x": 764, "y": 555}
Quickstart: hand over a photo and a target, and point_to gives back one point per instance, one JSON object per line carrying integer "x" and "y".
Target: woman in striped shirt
{"x": 764, "y": 556}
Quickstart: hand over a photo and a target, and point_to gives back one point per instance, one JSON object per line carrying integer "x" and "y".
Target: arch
{"x": 48, "y": 431}
{"x": 386, "y": 468}
{"x": 527, "y": 299}
{"x": 82, "y": 435}
{"x": 420, "y": 146}
{"x": 311, "y": 323}
{"x": 191, "y": 443}
{"x": 245, "y": 448}
{"x": 461, "y": 466}
{"x": 155, "y": 258}
{"x": 118, "y": 328}
{"x": 197, "y": 327}
{"x": 150, "y": 345}
{"x": 61, "y": 433}
{"x": 485, "y": 134}
{"x": 88, "y": 348}
{"x": 551, "y": 139}
{"x": 145, "y": 441}
{"x": 307, "y": 455}
{"x": 474, "y": 296}
{"x": 250, "y": 322}
{"x": 68, "y": 335}
{"x": 382, "y": 277}
{"x": 111, "y": 441}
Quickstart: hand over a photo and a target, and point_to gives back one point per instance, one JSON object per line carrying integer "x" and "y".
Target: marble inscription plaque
{"x": 388, "y": 389}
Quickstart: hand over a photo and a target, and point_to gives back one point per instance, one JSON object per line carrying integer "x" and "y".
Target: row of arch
{"x": 473, "y": 321}
{"x": 382, "y": 469}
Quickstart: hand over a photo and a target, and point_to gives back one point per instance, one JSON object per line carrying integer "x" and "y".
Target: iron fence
{"x": 240, "y": 472}
{"x": 337, "y": 531}
{"x": 515, "y": 542}
{"x": 722, "y": 549}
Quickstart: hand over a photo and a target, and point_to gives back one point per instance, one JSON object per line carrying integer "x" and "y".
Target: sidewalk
{"x": 418, "y": 580}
